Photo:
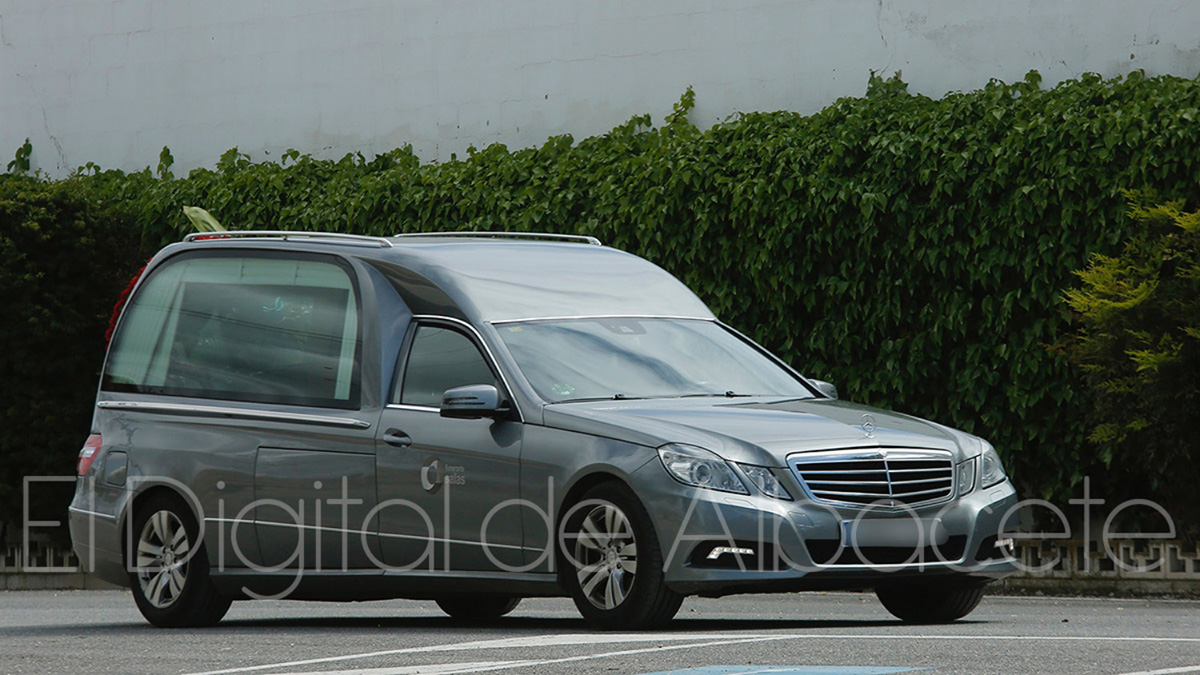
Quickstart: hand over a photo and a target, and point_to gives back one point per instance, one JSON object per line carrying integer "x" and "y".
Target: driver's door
{"x": 439, "y": 479}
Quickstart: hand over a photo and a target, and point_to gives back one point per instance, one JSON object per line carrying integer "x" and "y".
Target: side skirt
{"x": 358, "y": 585}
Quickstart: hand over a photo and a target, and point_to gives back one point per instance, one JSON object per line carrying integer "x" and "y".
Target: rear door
{"x": 250, "y": 363}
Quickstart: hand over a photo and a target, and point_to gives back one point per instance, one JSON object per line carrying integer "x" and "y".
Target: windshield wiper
{"x": 728, "y": 394}
{"x": 614, "y": 397}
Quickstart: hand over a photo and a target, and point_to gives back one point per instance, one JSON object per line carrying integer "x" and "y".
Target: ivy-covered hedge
{"x": 913, "y": 251}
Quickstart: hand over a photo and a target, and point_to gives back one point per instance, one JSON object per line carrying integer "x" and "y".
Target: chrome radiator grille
{"x": 883, "y": 476}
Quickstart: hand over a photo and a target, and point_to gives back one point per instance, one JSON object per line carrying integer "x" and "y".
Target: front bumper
{"x": 717, "y": 543}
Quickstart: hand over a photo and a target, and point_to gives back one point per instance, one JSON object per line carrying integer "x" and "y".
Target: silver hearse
{"x": 478, "y": 419}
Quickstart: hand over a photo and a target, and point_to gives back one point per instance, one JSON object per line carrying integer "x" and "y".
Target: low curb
{"x": 53, "y": 581}
{"x": 1098, "y": 587}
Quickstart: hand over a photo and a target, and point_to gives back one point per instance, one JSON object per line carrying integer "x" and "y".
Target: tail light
{"x": 88, "y": 454}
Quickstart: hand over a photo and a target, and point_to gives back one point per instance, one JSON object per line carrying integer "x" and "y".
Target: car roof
{"x": 515, "y": 278}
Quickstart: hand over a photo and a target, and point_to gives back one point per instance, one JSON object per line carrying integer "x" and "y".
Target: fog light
{"x": 1005, "y": 548}
{"x": 719, "y": 551}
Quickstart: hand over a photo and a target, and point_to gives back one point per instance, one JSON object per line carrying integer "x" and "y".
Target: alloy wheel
{"x": 606, "y": 556}
{"x": 162, "y": 559}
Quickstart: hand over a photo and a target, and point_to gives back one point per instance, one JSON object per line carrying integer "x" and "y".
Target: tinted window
{"x": 441, "y": 359}
{"x": 253, "y": 328}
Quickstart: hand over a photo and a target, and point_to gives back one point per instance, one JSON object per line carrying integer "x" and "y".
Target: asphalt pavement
{"x": 812, "y": 634}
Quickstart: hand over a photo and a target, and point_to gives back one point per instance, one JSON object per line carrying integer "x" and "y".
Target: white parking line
{"x": 692, "y": 640}
{"x": 1167, "y": 671}
{"x": 566, "y": 659}
{"x": 428, "y": 669}
{"x": 505, "y": 643}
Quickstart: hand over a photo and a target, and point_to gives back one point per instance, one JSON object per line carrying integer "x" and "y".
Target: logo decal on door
{"x": 431, "y": 475}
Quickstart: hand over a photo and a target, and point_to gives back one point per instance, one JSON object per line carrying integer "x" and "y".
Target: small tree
{"x": 1140, "y": 348}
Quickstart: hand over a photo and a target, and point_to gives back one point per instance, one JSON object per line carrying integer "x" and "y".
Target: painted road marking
{"x": 503, "y": 643}
{"x": 569, "y": 659}
{"x": 1167, "y": 670}
{"x": 692, "y": 640}
{"x": 428, "y": 669}
{"x": 544, "y": 662}
{"x": 791, "y": 670}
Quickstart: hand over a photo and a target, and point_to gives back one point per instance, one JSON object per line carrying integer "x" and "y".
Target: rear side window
{"x": 441, "y": 359}
{"x": 252, "y": 327}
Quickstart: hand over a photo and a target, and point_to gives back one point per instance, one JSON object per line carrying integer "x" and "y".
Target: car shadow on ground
{"x": 556, "y": 625}
{"x": 453, "y": 629}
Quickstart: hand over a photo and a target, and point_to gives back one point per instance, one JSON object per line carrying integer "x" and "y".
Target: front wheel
{"x": 466, "y": 608}
{"x": 169, "y": 576}
{"x": 930, "y": 602}
{"x": 613, "y": 565}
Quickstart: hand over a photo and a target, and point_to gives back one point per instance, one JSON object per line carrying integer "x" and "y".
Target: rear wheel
{"x": 930, "y": 602}
{"x": 170, "y": 579}
{"x": 469, "y": 608}
{"x": 613, "y": 564}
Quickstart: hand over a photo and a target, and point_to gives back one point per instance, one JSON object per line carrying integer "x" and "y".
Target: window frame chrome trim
{"x": 412, "y": 408}
{"x": 235, "y": 413}
{"x": 475, "y": 336}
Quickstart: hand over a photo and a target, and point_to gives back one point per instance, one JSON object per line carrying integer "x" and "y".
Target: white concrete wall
{"x": 113, "y": 81}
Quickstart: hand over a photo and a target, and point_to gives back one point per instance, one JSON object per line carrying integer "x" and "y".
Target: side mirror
{"x": 471, "y": 402}
{"x": 825, "y": 388}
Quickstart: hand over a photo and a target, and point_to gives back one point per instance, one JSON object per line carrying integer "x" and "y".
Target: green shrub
{"x": 1140, "y": 347}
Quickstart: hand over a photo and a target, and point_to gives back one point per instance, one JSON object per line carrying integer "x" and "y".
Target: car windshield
{"x": 616, "y": 358}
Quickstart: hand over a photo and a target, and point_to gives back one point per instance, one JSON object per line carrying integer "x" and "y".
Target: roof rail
{"x": 284, "y": 235}
{"x": 580, "y": 238}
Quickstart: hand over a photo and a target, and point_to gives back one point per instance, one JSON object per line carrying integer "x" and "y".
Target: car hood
{"x": 757, "y": 430}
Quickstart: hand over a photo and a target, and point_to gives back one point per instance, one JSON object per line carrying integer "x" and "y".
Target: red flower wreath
{"x": 116, "y": 312}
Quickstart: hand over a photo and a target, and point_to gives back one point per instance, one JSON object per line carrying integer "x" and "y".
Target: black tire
{"x": 622, "y": 556}
{"x": 170, "y": 578}
{"x": 469, "y": 608}
{"x": 930, "y": 602}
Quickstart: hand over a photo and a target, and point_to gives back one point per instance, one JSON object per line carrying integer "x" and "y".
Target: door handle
{"x": 397, "y": 438}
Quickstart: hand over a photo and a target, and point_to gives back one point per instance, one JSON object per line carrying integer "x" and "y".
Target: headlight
{"x": 695, "y": 466}
{"x": 966, "y": 476}
{"x": 765, "y": 481}
{"x": 991, "y": 470}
